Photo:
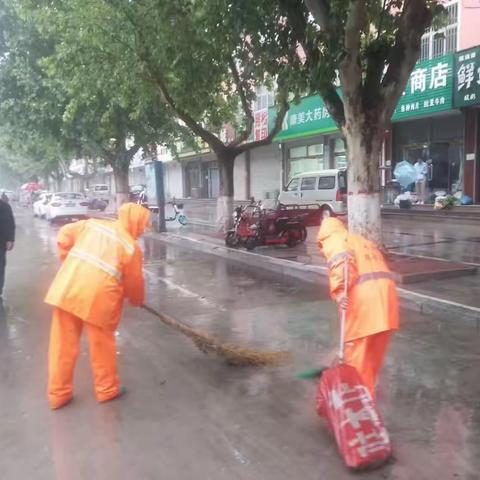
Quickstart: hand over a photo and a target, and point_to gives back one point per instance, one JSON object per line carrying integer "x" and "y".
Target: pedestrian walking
{"x": 102, "y": 265}
{"x": 370, "y": 302}
{"x": 7, "y": 239}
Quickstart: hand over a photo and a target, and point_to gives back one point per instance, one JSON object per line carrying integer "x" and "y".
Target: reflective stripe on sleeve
{"x": 336, "y": 258}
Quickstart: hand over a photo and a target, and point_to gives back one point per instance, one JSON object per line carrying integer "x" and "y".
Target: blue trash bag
{"x": 466, "y": 200}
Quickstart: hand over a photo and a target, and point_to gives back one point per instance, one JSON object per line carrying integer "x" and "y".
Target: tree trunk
{"x": 364, "y": 145}
{"x": 226, "y": 161}
{"x": 120, "y": 173}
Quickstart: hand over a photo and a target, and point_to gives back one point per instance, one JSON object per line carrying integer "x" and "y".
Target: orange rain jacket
{"x": 102, "y": 264}
{"x": 372, "y": 297}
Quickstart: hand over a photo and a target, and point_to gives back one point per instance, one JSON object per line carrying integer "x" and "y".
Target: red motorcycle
{"x": 255, "y": 226}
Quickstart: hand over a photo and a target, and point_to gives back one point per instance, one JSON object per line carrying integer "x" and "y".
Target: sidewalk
{"x": 445, "y": 240}
{"x": 459, "y": 297}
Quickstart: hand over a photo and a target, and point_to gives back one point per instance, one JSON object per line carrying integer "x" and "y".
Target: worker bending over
{"x": 371, "y": 302}
{"x": 102, "y": 265}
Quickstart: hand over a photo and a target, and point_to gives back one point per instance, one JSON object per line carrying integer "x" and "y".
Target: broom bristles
{"x": 233, "y": 354}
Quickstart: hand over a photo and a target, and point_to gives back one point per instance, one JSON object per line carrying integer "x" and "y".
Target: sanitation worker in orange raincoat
{"x": 372, "y": 303}
{"x": 102, "y": 265}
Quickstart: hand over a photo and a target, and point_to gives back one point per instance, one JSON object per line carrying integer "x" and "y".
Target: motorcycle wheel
{"x": 292, "y": 241}
{"x": 231, "y": 240}
{"x": 250, "y": 243}
{"x": 303, "y": 235}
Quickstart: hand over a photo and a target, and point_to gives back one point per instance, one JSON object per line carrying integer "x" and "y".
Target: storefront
{"x": 467, "y": 98}
{"x": 310, "y": 140}
{"x": 201, "y": 174}
{"x": 426, "y": 126}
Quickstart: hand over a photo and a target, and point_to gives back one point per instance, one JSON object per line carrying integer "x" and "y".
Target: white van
{"x": 326, "y": 188}
{"x": 100, "y": 190}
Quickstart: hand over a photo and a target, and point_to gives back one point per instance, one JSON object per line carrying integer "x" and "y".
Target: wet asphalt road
{"x": 188, "y": 416}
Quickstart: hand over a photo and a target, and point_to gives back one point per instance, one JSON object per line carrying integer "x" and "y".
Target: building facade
{"x": 437, "y": 119}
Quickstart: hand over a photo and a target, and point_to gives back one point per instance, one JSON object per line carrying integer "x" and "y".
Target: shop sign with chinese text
{"x": 467, "y": 78}
{"x": 309, "y": 117}
{"x": 429, "y": 89}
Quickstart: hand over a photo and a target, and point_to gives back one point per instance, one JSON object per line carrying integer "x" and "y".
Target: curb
{"x": 411, "y": 300}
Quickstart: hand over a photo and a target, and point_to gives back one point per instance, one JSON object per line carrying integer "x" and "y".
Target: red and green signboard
{"x": 429, "y": 91}
{"x": 466, "y": 89}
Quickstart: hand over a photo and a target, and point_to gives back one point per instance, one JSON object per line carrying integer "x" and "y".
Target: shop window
{"x": 194, "y": 174}
{"x": 326, "y": 183}
{"x": 339, "y": 153}
{"x": 304, "y": 159}
{"x": 308, "y": 183}
{"x": 315, "y": 150}
{"x": 293, "y": 185}
{"x": 298, "y": 152}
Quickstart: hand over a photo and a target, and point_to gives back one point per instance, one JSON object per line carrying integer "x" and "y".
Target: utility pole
{"x": 158, "y": 166}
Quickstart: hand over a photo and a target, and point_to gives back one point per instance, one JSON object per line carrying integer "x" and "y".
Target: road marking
{"x": 185, "y": 291}
{"x": 439, "y": 300}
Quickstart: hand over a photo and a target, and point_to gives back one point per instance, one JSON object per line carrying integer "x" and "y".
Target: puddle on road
{"x": 240, "y": 305}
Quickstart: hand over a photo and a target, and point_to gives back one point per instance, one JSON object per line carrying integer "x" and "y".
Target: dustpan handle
{"x": 343, "y": 313}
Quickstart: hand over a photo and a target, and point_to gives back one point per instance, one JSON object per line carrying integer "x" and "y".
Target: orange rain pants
{"x": 366, "y": 355}
{"x": 65, "y": 334}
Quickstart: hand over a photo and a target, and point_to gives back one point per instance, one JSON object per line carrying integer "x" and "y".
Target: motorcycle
{"x": 255, "y": 226}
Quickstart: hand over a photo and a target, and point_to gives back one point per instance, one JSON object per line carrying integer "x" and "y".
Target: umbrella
{"x": 405, "y": 173}
{"x": 31, "y": 187}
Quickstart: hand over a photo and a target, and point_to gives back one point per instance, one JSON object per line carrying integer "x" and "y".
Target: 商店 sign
{"x": 429, "y": 90}
{"x": 467, "y": 78}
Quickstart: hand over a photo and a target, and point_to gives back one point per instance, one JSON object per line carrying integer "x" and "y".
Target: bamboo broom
{"x": 233, "y": 354}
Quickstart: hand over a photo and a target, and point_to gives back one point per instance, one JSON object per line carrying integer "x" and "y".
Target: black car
{"x": 96, "y": 204}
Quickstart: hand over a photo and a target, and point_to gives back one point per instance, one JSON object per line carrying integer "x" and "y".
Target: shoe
{"x": 61, "y": 405}
{"x": 122, "y": 390}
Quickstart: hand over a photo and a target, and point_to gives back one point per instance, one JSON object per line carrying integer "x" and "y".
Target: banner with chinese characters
{"x": 261, "y": 124}
{"x": 429, "y": 89}
{"x": 466, "y": 90}
{"x": 309, "y": 117}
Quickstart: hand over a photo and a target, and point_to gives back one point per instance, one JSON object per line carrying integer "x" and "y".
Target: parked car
{"x": 41, "y": 205}
{"x": 327, "y": 189}
{"x": 67, "y": 205}
{"x": 99, "y": 190}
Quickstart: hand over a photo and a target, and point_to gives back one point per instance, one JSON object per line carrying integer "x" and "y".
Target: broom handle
{"x": 343, "y": 313}
{"x": 181, "y": 327}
